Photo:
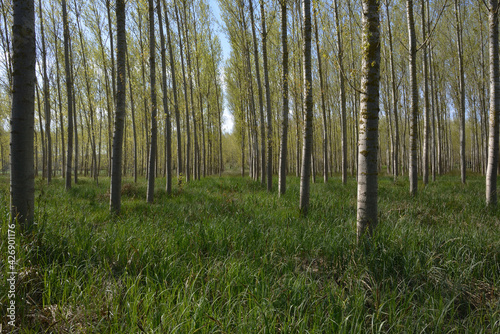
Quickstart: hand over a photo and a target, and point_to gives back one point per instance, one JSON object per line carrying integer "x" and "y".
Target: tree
{"x": 368, "y": 124}
{"x": 323, "y": 103}
{"x": 491, "y": 172}
{"x": 154, "y": 122}
{"x": 284, "y": 117}
{"x": 46, "y": 98}
{"x": 413, "y": 99}
{"x": 425, "y": 153}
{"x": 22, "y": 181}
{"x": 394, "y": 97}
{"x": 116, "y": 158}
{"x": 268, "y": 100}
{"x": 168, "y": 158}
{"x": 261, "y": 102}
{"x": 69, "y": 92}
{"x": 174, "y": 89}
{"x": 461, "y": 108}
{"x": 342, "y": 95}
{"x": 308, "y": 107}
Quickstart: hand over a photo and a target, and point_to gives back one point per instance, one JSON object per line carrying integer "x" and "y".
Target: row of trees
{"x": 338, "y": 86}
{"x": 423, "y": 63}
{"x": 81, "y": 82}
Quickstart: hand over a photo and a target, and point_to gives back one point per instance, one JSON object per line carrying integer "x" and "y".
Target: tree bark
{"x": 413, "y": 168}
{"x": 46, "y": 98}
{"x": 174, "y": 89}
{"x": 491, "y": 172}
{"x": 284, "y": 117}
{"x": 343, "y": 117}
{"x": 116, "y": 159}
{"x": 425, "y": 153}
{"x": 154, "y": 122}
{"x": 463, "y": 166}
{"x": 308, "y": 107}
{"x": 168, "y": 144}
{"x": 69, "y": 92}
{"x": 323, "y": 103}
{"x": 22, "y": 180}
{"x": 368, "y": 125}
{"x": 268, "y": 100}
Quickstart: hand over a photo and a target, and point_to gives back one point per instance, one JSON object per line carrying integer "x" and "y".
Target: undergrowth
{"x": 221, "y": 255}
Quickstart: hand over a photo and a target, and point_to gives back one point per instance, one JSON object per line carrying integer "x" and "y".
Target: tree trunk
{"x": 463, "y": 167}
{"x": 343, "y": 117}
{"x": 491, "y": 172}
{"x": 174, "y": 89}
{"x": 425, "y": 154}
{"x": 368, "y": 125}
{"x": 22, "y": 181}
{"x": 308, "y": 107}
{"x": 168, "y": 144}
{"x": 116, "y": 159}
{"x": 261, "y": 100}
{"x": 284, "y": 117}
{"x": 323, "y": 103}
{"x": 188, "y": 136}
{"x": 69, "y": 92}
{"x": 413, "y": 101}
{"x": 268, "y": 101}
{"x": 154, "y": 122}
{"x": 46, "y": 98}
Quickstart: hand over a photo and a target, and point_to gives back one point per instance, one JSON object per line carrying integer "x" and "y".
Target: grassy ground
{"x": 224, "y": 256}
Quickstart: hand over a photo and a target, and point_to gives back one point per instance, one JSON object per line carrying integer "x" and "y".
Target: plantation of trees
{"x": 249, "y": 166}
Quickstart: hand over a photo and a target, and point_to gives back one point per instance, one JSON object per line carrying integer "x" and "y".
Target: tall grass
{"x": 223, "y": 255}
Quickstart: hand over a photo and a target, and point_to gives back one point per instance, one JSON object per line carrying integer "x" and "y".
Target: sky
{"x": 228, "y": 121}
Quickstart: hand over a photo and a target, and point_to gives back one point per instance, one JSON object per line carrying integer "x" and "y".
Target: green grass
{"x": 224, "y": 256}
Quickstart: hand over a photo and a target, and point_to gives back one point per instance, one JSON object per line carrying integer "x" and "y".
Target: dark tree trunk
{"x": 22, "y": 181}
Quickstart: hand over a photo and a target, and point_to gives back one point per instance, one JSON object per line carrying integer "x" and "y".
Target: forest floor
{"x": 223, "y": 255}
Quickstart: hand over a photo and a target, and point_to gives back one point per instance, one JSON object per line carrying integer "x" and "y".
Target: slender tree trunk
{"x": 46, "y": 98}
{"x": 343, "y": 108}
{"x": 188, "y": 136}
{"x": 268, "y": 102}
{"x": 368, "y": 126}
{"x": 414, "y": 100}
{"x": 323, "y": 103}
{"x": 154, "y": 122}
{"x": 168, "y": 144}
{"x": 116, "y": 159}
{"x": 284, "y": 117}
{"x": 132, "y": 112}
{"x": 22, "y": 180}
{"x": 174, "y": 89}
{"x": 69, "y": 89}
{"x": 491, "y": 172}
{"x": 425, "y": 155}
{"x": 463, "y": 167}
{"x": 113, "y": 75}
{"x": 261, "y": 100}
{"x": 308, "y": 106}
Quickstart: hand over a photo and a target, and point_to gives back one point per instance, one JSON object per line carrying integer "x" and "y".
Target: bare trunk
{"x": 22, "y": 181}
{"x": 116, "y": 158}
{"x": 168, "y": 132}
{"x": 308, "y": 107}
{"x": 152, "y": 80}
{"x": 491, "y": 172}
{"x": 268, "y": 102}
{"x": 284, "y": 117}
{"x": 69, "y": 92}
{"x": 413, "y": 101}
{"x": 367, "y": 211}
